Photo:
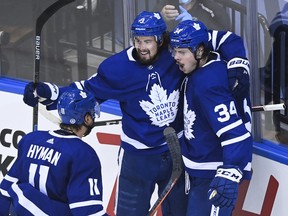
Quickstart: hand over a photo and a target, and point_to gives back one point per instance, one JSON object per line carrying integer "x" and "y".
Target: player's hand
{"x": 43, "y": 92}
{"x": 223, "y": 190}
{"x": 169, "y": 12}
{"x": 239, "y": 77}
{"x": 184, "y": 15}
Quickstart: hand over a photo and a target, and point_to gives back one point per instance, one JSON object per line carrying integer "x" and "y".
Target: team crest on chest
{"x": 162, "y": 108}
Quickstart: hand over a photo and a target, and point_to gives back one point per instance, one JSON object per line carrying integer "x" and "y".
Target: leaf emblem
{"x": 189, "y": 118}
{"x": 162, "y": 109}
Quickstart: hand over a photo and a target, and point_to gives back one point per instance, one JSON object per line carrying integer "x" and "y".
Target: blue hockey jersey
{"x": 55, "y": 173}
{"x": 148, "y": 94}
{"x": 217, "y": 129}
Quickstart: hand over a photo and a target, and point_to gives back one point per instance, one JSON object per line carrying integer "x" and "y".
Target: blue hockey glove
{"x": 223, "y": 190}
{"x": 45, "y": 93}
{"x": 239, "y": 77}
{"x": 184, "y": 15}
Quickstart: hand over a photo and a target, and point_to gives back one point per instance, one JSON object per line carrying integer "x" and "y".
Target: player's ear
{"x": 199, "y": 52}
{"x": 88, "y": 120}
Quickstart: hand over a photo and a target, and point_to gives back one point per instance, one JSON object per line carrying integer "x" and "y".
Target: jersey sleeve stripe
{"x": 201, "y": 166}
{"x": 213, "y": 39}
{"x": 229, "y": 127}
{"x": 26, "y": 203}
{"x": 4, "y": 193}
{"x": 223, "y": 39}
{"x": 85, "y": 203}
{"x": 79, "y": 85}
{"x": 235, "y": 140}
{"x": 11, "y": 179}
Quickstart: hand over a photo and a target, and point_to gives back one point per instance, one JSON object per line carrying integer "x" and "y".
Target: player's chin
{"x": 181, "y": 67}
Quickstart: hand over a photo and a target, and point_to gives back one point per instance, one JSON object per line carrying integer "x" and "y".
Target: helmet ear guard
{"x": 75, "y": 104}
{"x": 149, "y": 24}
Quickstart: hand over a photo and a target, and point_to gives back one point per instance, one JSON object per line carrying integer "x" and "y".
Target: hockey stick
{"x": 41, "y": 20}
{"x": 174, "y": 147}
{"x": 108, "y": 122}
{"x": 269, "y": 107}
{"x": 56, "y": 120}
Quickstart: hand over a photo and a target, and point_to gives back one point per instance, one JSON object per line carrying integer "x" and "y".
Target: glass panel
{"x": 74, "y": 41}
{"x": 273, "y": 66}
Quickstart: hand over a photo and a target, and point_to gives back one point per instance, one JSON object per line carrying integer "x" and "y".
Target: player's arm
{"x": 232, "y": 50}
{"x": 48, "y": 93}
{"x": 27, "y": 198}
{"x": 236, "y": 142}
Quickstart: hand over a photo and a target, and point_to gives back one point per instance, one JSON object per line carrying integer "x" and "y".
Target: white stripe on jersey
{"x": 207, "y": 165}
{"x": 223, "y": 39}
{"x": 135, "y": 143}
{"x": 11, "y": 179}
{"x": 201, "y": 166}
{"x": 26, "y": 203}
{"x": 214, "y": 39}
{"x": 235, "y": 140}
{"x": 4, "y": 193}
{"x": 79, "y": 85}
{"x": 229, "y": 127}
{"x": 85, "y": 203}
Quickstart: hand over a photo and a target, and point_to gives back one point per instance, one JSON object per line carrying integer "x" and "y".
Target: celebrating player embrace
{"x": 146, "y": 81}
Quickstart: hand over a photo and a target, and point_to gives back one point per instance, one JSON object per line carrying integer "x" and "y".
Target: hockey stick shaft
{"x": 108, "y": 122}
{"x": 56, "y": 120}
{"x": 41, "y": 20}
{"x": 269, "y": 107}
{"x": 175, "y": 151}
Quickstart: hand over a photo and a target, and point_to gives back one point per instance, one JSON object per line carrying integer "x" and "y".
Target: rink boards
{"x": 265, "y": 194}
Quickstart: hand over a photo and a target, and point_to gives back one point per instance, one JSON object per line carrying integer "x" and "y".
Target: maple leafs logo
{"x": 189, "y": 118}
{"x": 162, "y": 109}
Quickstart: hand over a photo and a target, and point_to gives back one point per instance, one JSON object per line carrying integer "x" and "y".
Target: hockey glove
{"x": 223, "y": 190}
{"x": 184, "y": 15}
{"x": 45, "y": 93}
{"x": 239, "y": 77}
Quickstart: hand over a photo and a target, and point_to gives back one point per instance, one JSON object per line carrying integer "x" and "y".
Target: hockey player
{"x": 56, "y": 173}
{"x": 216, "y": 19}
{"x": 217, "y": 141}
{"x": 146, "y": 81}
